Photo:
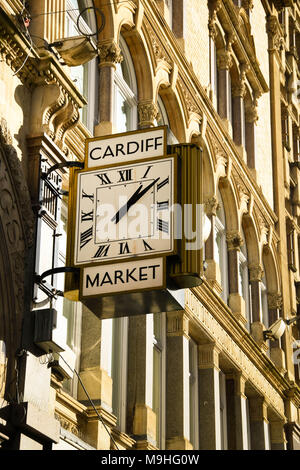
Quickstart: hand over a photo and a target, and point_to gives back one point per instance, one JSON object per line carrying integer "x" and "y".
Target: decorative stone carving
{"x": 248, "y": 4}
{"x": 234, "y": 240}
{"x": 159, "y": 51}
{"x": 19, "y": 182}
{"x": 256, "y": 272}
{"x": 224, "y": 59}
{"x": 274, "y": 33}
{"x": 274, "y": 300}
{"x": 208, "y": 356}
{"x": 177, "y": 324}
{"x": 192, "y": 109}
{"x": 211, "y": 206}
{"x": 148, "y": 113}
{"x": 109, "y": 53}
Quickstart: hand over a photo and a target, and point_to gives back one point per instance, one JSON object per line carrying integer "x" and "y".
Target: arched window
{"x": 84, "y": 76}
{"x": 220, "y": 251}
{"x": 125, "y": 93}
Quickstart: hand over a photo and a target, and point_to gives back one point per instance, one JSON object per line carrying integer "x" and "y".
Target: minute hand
{"x": 132, "y": 200}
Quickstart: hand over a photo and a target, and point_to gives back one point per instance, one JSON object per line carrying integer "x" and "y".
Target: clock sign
{"x": 125, "y": 211}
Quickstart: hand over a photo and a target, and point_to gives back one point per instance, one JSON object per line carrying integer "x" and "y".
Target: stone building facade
{"x": 223, "y": 74}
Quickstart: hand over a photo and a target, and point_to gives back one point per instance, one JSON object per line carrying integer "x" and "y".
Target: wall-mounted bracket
{"x": 48, "y": 288}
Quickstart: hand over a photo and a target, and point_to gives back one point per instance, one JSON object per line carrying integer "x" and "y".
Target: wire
{"x": 30, "y": 49}
{"x": 74, "y": 9}
{"x": 90, "y": 400}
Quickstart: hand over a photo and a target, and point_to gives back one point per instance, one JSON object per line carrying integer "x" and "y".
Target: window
{"x": 194, "y": 394}
{"x": 221, "y": 248}
{"x": 84, "y": 76}
{"x": 264, "y": 302}
{"x": 125, "y": 93}
{"x": 71, "y": 311}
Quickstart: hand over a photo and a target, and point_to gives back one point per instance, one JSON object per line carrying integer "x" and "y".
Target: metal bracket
{"x": 57, "y": 166}
{"x": 46, "y": 287}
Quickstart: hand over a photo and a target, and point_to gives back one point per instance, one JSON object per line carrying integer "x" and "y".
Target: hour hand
{"x": 132, "y": 200}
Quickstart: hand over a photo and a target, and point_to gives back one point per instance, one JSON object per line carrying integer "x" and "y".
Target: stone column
{"x": 238, "y": 92}
{"x": 224, "y": 61}
{"x": 277, "y": 437}
{"x": 178, "y": 402}
{"x": 213, "y": 271}
{"x": 255, "y": 276}
{"x": 148, "y": 113}
{"x": 236, "y": 301}
{"x": 258, "y": 423}
{"x": 109, "y": 56}
{"x": 276, "y": 353}
{"x": 141, "y": 419}
{"x": 209, "y": 397}
{"x": 237, "y": 412}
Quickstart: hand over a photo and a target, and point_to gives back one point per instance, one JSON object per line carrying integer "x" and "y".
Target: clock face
{"x": 125, "y": 211}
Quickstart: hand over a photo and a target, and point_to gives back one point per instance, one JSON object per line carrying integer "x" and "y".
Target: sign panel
{"x": 123, "y": 277}
{"x": 124, "y": 148}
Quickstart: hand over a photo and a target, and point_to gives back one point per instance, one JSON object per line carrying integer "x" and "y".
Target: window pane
{"x": 122, "y": 113}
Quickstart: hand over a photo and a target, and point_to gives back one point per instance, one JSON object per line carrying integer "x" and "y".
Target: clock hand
{"x": 132, "y": 200}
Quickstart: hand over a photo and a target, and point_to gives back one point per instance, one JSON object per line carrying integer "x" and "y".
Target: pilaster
{"x": 177, "y": 423}
{"x": 209, "y": 397}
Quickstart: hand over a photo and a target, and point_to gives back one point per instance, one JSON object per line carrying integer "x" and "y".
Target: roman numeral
{"x": 124, "y": 248}
{"x": 147, "y": 247}
{"x": 89, "y": 196}
{"x": 163, "y": 226}
{"x": 87, "y": 216}
{"x": 162, "y": 206}
{"x": 147, "y": 171}
{"x": 104, "y": 178}
{"x": 125, "y": 175}
{"x": 86, "y": 237}
{"x": 102, "y": 251}
{"x": 163, "y": 183}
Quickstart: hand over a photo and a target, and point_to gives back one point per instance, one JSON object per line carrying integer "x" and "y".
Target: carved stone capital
{"x": 251, "y": 114}
{"x": 238, "y": 89}
{"x": 177, "y": 323}
{"x": 208, "y": 356}
{"x": 274, "y": 300}
{"x": 248, "y": 4}
{"x": 234, "y": 240}
{"x": 224, "y": 59}
{"x": 211, "y": 206}
{"x": 109, "y": 53}
{"x": 148, "y": 113}
{"x": 256, "y": 272}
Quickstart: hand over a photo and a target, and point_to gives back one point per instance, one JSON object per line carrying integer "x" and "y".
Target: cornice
{"x": 38, "y": 69}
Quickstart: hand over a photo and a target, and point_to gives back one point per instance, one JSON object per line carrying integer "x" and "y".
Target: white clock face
{"x": 124, "y": 211}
